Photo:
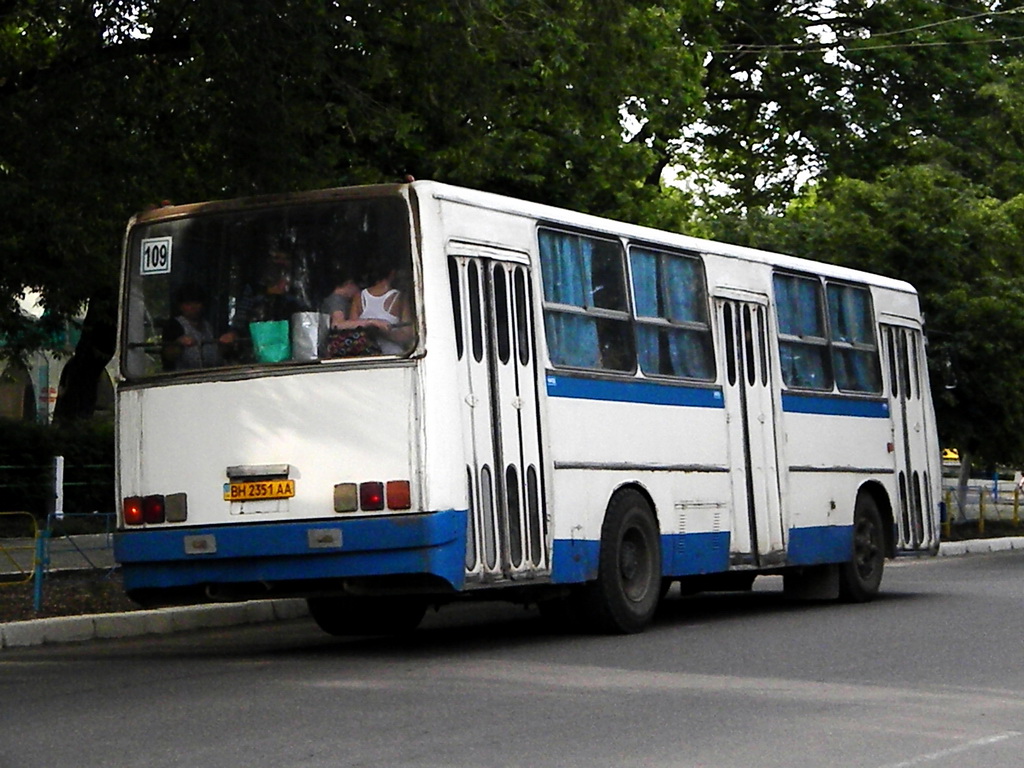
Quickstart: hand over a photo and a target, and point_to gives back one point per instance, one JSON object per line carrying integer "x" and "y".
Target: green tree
{"x": 106, "y": 107}
{"x": 841, "y": 88}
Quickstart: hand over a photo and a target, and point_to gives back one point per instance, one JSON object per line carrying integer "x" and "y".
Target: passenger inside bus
{"x": 188, "y": 338}
{"x": 378, "y": 320}
{"x": 383, "y": 307}
{"x": 273, "y": 299}
{"x": 338, "y": 302}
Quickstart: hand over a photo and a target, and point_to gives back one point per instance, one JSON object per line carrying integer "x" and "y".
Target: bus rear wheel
{"x": 861, "y": 577}
{"x": 628, "y": 587}
{"x": 340, "y": 616}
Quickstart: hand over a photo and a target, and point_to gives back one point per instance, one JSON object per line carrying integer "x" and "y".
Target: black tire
{"x": 341, "y": 616}
{"x": 628, "y": 587}
{"x": 861, "y": 577}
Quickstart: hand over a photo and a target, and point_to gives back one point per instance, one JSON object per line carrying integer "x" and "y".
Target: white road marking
{"x": 944, "y": 753}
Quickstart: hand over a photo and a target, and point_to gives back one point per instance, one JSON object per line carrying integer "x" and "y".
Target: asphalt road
{"x": 928, "y": 675}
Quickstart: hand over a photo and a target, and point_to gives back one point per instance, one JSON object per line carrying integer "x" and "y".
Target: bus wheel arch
{"x": 885, "y": 511}
{"x": 628, "y": 587}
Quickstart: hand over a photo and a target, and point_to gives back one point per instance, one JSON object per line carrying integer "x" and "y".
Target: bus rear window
{"x": 295, "y": 283}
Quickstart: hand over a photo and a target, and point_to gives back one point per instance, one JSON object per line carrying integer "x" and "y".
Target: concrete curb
{"x": 70, "y": 629}
{"x": 979, "y": 546}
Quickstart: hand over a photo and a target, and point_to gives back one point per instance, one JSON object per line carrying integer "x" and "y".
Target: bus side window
{"x": 854, "y": 350}
{"x": 673, "y": 334}
{"x": 803, "y": 342}
{"x": 586, "y": 317}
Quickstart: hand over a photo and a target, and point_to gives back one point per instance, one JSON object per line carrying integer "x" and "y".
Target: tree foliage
{"x": 107, "y": 107}
{"x": 906, "y": 113}
{"x": 840, "y": 88}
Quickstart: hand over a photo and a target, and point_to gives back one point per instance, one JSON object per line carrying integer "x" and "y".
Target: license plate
{"x": 259, "y": 489}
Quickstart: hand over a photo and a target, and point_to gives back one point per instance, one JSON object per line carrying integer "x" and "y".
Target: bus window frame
{"x": 872, "y": 326}
{"x": 829, "y": 343}
{"x": 818, "y": 342}
{"x": 622, "y": 317}
{"x": 242, "y": 206}
{"x": 655, "y": 321}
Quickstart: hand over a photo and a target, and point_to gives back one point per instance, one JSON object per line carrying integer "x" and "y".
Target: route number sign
{"x": 156, "y": 256}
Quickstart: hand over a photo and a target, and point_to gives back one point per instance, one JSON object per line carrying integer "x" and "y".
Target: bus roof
{"x": 554, "y": 215}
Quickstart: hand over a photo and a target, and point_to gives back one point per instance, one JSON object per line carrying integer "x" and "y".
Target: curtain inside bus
{"x": 673, "y": 335}
{"x": 568, "y": 267}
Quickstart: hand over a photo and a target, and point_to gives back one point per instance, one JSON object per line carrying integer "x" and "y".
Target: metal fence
{"x": 18, "y": 553}
{"x": 82, "y": 487}
{"x": 982, "y": 504}
{"x": 65, "y": 529}
{"x": 55, "y": 548}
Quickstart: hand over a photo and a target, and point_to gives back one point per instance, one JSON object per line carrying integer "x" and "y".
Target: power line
{"x": 846, "y": 49}
{"x": 955, "y": 20}
{"x": 851, "y": 45}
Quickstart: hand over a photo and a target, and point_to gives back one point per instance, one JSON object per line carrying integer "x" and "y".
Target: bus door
{"x": 908, "y": 407}
{"x": 757, "y": 528}
{"x": 507, "y": 536}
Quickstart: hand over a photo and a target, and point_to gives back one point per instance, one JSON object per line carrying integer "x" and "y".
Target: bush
{"x": 26, "y": 466}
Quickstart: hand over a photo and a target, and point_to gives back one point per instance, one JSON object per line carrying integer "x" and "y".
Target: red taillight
{"x": 132, "y": 510}
{"x": 399, "y": 496}
{"x": 153, "y": 509}
{"x": 371, "y": 496}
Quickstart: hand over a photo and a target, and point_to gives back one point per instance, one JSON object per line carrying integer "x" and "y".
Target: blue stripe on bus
{"x": 793, "y": 402}
{"x": 432, "y": 543}
{"x": 576, "y": 560}
{"x": 633, "y": 391}
{"x": 689, "y": 554}
{"x": 410, "y": 544}
{"x": 820, "y": 544}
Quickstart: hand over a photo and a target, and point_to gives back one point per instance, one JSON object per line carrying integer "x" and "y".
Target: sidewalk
{"x": 976, "y": 546}
{"x": 68, "y": 629}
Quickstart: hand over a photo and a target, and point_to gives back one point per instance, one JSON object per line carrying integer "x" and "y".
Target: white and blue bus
{"x": 388, "y": 397}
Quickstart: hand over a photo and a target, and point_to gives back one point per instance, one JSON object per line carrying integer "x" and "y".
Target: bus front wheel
{"x": 861, "y": 577}
{"x": 628, "y": 586}
{"x": 340, "y": 616}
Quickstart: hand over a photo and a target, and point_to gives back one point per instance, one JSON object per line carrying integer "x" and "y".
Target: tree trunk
{"x": 76, "y": 393}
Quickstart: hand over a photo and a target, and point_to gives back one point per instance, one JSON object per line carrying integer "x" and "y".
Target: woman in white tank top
{"x": 382, "y": 307}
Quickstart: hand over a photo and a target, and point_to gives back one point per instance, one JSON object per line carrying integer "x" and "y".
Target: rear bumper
{"x": 431, "y": 544}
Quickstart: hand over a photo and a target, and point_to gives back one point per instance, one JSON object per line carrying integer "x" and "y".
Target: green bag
{"x": 271, "y": 342}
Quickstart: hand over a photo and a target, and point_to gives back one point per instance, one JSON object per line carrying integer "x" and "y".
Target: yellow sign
{"x": 259, "y": 489}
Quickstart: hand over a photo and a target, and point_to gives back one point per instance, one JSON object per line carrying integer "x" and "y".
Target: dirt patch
{"x": 65, "y": 594}
{"x": 961, "y": 531}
